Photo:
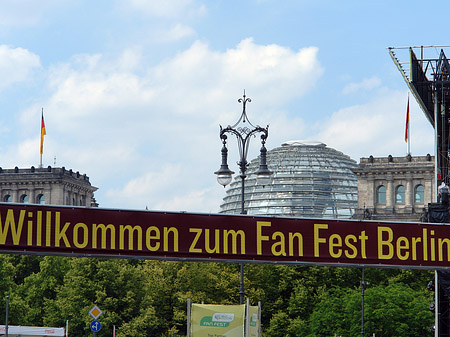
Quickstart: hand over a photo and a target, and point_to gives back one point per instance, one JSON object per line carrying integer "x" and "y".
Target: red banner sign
{"x": 48, "y": 230}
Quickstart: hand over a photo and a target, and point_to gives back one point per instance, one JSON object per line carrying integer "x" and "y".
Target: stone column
{"x": 409, "y": 193}
{"x": 48, "y": 193}
{"x": 390, "y": 198}
{"x": 32, "y": 197}
{"x": 370, "y": 193}
{"x": 14, "y": 193}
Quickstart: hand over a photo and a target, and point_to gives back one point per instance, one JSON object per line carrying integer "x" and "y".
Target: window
{"x": 400, "y": 194}
{"x": 381, "y": 194}
{"x": 7, "y": 198}
{"x": 419, "y": 192}
{"x": 41, "y": 199}
{"x": 24, "y": 199}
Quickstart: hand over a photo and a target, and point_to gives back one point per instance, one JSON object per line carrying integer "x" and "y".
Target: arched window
{"x": 381, "y": 194}
{"x": 24, "y": 199}
{"x": 7, "y": 198}
{"x": 41, "y": 199}
{"x": 400, "y": 194}
{"x": 419, "y": 192}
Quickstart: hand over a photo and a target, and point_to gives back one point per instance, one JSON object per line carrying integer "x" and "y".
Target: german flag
{"x": 43, "y": 133}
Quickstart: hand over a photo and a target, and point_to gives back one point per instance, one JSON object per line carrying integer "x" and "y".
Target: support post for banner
{"x": 259, "y": 319}
{"x": 6, "y": 318}
{"x": 436, "y": 301}
{"x": 188, "y": 325}
{"x": 241, "y": 285}
{"x": 436, "y": 184}
{"x": 363, "y": 288}
{"x": 247, "y": 317}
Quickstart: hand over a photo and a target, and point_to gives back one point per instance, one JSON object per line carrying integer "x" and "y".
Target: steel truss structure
{"x": 428, "y": 79}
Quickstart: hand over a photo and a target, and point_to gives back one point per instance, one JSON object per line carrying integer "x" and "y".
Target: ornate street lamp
{"x": 244, "y": 131}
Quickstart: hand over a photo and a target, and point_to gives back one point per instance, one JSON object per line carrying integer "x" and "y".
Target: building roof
{"x": 309, "y": 180}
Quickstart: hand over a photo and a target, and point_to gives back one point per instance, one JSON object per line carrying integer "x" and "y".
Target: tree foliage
{"x": 148, "y": 298}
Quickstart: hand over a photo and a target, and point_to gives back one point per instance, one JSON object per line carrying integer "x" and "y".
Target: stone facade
{"x": 51, "y": 185}
{"x": 395, "y": 188}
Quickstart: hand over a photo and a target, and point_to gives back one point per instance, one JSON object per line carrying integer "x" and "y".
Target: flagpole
{"x": 41, "y": 148}
{"x": 408, "y": 130}
{"x": 43, "y": 133}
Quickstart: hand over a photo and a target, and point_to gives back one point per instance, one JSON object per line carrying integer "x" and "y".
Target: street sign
{"x": 95, "y": 312}
{"x": 96, "y": 326}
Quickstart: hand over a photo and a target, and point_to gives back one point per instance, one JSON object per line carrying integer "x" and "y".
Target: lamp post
{"x": 364, "y": 285}
{"x": 244, "y": 131}
{"x": 6, "y": 317}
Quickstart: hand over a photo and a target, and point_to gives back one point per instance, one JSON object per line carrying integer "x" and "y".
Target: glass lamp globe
{"x": 264, "y": 178}
{"x": 224, "y": 178}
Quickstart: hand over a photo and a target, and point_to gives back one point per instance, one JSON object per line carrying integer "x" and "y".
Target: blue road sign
{"x": 95, "y": 326}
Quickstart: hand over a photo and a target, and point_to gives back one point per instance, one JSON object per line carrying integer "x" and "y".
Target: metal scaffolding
{"x": 428, "y": 79}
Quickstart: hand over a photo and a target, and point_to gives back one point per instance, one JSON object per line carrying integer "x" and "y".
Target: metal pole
{"x": 435, "y": 197}
{"x": 6, "y": 319}
{"x": 436, "y": 303}
{"x": 243, "y": 135}
{"x": 241, "y": 291}
{"x": 363, "y": 287}
{"x": 436, "y": 146}
{"x": 188, "y": 326}
{"x": 243, "y": 176}
{"x": 259, "y": 319}
{"x": 247, "y": 318}
{"x": 241, "y": 287}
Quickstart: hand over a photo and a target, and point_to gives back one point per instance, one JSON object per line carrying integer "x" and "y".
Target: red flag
{"x": 43, "y": 133}
{"x": 407, "y": 123}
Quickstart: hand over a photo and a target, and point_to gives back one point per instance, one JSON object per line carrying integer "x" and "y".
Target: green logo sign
{"x": 253, "y": 320}
{"x": 218, "y": 319}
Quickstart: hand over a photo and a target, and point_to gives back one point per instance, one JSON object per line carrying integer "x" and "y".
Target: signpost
{"x": 95, "y": 312}
{"x": 95, "y": 326}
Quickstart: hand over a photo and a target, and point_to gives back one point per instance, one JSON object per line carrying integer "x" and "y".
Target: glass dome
{"x": 309, "y": 180}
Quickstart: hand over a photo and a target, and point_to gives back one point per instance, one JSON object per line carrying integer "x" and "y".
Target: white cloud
{"x": 269, "y": 72}
{"x": 365, "y": 85}
{"x": 129, "y": 125}
{"x": 166, "y": 8}
{"x": 16, "y": 13}
{"x": 16, "y": 65}
{"x": 146, "y": 190}
{"x": 177, "y": 32}
{"x": 377, "y": 128}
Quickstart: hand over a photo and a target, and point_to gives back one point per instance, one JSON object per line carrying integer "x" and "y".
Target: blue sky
{"x": 134, "y": 91}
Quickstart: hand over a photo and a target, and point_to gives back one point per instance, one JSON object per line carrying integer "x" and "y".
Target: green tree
{"x": 38, "y": 289}
{"x": 394, "y": 310}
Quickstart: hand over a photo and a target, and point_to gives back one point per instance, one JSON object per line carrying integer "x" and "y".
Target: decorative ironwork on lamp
{"x": 243, "y": 134}
{"x": 224, "y": 174}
